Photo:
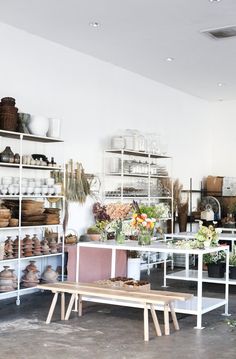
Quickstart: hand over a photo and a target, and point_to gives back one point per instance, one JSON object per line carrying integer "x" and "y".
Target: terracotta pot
{"x": 49, "y": 275}
{"x": 94, "y": 237}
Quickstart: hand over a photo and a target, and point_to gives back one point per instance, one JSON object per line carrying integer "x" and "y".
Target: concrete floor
{"x": 110, "y": 331}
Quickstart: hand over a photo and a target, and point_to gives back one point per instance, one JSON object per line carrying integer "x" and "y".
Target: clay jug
{"x": 31, "y": 267}
{"x": 7, "y": 155}
{"x": 49, "y": 275}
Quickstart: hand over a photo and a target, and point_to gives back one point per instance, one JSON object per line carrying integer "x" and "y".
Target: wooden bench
{"x": 144, "y": 299}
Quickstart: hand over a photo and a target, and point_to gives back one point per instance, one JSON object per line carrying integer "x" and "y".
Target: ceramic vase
{"x": 49, "y": 275}
{"x": 7, "y": 155}
{"x": 38, "y": 125}
{"x": 54, "y": 128}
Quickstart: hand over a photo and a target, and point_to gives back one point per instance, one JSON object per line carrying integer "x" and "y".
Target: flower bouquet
{"x": 144, "y": 226}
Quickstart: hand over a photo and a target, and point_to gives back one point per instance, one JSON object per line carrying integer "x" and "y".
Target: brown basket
{"x": 8, "y": 101}
{"x": 71, "y": 238}
{"x": 8, "y": 122}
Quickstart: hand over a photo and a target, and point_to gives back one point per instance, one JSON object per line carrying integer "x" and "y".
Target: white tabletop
{"x": 191, "y": 235}
{"x": 155, "y": 246}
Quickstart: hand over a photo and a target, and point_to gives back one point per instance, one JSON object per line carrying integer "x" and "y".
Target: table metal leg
{"x": 199, "y": 293}
{"x": 187, "y": 264}
{"x": 164, "y": 277}
{"x": 226, "y": 313}
{"x": 113, "y": 262}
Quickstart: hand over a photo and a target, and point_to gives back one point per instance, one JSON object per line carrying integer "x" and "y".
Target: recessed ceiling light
{"x": 214, "y": 0}
{"x": 220, "y": 84}
{"x": 169, "y": 59}
{"x": 95, "y": 24}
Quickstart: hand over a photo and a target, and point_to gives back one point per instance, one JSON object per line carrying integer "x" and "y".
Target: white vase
{"x": 133, "y": 270}
{"x": 54, "y": 128}
{"x": 38, "y": 125}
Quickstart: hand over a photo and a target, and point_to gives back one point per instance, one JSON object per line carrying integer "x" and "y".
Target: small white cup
{"x": 30, "y": 190}
{"x": 44, "y": 190}
{"x": 50, "y": 181}
{"x": 57, "y": 188}
{"x": 37, "y": 190}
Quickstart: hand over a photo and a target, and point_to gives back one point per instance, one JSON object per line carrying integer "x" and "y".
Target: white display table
{"x": 199, "y": 305}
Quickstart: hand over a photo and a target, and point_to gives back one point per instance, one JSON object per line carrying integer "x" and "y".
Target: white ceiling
{"x": 138, "y": 35}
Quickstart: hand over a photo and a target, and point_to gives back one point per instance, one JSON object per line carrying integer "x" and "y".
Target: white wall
{"x": 94, "y": 99}
{"x": 223, "y": 128}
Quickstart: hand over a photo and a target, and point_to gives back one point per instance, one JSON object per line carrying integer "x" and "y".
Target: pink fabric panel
{"x": 95, "y": 263}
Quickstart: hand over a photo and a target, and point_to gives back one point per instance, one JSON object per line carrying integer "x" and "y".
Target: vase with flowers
{"x": 118, "y": 213}
{"x": 143, "y": 224}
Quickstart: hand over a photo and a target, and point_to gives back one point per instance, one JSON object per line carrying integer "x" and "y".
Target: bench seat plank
{"x": 147, "y": 299}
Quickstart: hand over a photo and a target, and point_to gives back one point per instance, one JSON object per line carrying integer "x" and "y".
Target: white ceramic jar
{"x": 54, "y": 128}
{"x": 38, "y": 125}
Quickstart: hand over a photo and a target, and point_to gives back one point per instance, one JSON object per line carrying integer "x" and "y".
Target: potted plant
{"x": 215, "y": 264}
{"x": 133, "y": 265}
{"x": 94, "y": 233}
{"x": 206, "y": 236}
{"x": 232, "y": 266}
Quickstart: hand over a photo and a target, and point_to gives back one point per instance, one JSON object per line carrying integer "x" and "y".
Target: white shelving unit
{"x": 42, "y": 260}
{"x": 151, "y": 162}
{"x": 199, "y": 305}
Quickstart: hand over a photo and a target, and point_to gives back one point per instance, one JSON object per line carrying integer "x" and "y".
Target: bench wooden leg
{"x": 80, "y": 304}
{"x": 62, "y": 305}
{"x": 146, "y": 326}
{"x": 166, "y": 319}
{"x": 71, "y": 303}
{"x": 155, "y": 321}
{"x": 52, "y": 308}
{"x": 174, "y": 318}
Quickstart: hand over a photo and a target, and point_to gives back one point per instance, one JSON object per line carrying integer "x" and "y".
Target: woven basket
{"x": 8, "y": 122}
{"x": 71, "y": 238}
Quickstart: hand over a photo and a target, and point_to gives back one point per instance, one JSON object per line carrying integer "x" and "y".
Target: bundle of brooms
{"x": 77, "y": 187}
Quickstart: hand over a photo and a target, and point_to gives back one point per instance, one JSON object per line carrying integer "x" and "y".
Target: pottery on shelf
{"x": 49, "y": 275}
{"x": 7, "y": 155}
{"x": 54, "y": 128}
{"x": 38, "y": 125}
{"x": 24, "y": 119}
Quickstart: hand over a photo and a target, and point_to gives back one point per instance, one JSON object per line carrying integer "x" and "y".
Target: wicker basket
{"x": 71, "y": 238}
{"x": 8, "y": 122}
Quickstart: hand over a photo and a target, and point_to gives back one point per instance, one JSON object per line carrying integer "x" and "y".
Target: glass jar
{"x": 120, "y": 238}
{"x": 117, "y": 142}
{"x": 144, "y": 238}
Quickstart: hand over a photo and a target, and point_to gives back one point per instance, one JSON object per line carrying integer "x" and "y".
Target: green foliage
{"x": 215, "y": 257}
{"x": 232, "y": 260}
{"x": 150, "y": 211}
{"x": 93, "y": 230}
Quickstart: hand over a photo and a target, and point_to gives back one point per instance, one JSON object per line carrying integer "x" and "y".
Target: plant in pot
{"x": 94, "y": 233}
{"x": 215, "y": 264}
{"x": 232, "y": 266}
{"x": 133, "y": 265}
{"x": 206, "y": 236}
